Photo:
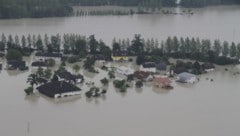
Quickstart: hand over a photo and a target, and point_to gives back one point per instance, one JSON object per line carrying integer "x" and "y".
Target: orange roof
{"x": 162, "y": 80}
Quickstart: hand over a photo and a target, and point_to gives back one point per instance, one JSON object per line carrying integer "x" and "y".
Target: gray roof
{"x": 185, "y": 75}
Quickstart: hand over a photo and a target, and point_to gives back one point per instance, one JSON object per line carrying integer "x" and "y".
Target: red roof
{"x": 141, "y": 74}
{"x": 162, "y": 80}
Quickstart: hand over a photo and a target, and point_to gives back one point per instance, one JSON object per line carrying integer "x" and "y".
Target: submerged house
{"x": 179, "y": 70}
{"x": 208, "y": 67}
{"x": 162, "y": 82}
{"x": 58, "y": 89}
{"x": 64, "y": 75}
{"x": 120, "y": 56}
{"x": 16, "y": 65}
{"x": 161, "y": 66}
{"x": 141, "y": 75}
{"x": 124, "y": 71}
{"x": 186, "y": 77}
{"x": 100, "y": 60}
{"x": 39, "y": 64}
{"x": 148, "y": 67}
{"x": 45, "y": 56}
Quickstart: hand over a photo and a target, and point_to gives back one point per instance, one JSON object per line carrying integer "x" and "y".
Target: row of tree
{"x": 34, "y": 8}
{"x": 202, "y": 3}
{"x": 192, "y": 48}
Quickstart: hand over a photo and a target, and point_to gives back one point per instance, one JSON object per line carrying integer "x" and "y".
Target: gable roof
{"x": 149, "y": 65}
{"x": 185, "y": 75}
{"x": 141, "y": 74}
{"x": 67, "y": 75}
{"x": 45, "y": 54}
{"x": 162, "y": 80}
{"x": 161, "y": 66}
{"x": 57, "y": 87}
{"x": 39, "y": 64}
{"x": 16, "y": 63}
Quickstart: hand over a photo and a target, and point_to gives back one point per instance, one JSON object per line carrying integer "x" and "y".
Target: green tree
{"x": 137, "y": 45}
{"x": 104, "y": 81}
{"x": 14, "y": 54}
{"x": 139, "y": 84}
{"x": 76, "y": 68}
{"x": 225, "y": 50}
{"x": 32, "y": 80}
{"x": 233, "y": 50}
{"x": 93, "y": 44}
{"x": 217, "y": 47}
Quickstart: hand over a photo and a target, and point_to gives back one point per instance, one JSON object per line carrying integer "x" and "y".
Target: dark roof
{"x": 141, "y": 74}
{"x": 99, "y": 57}
{"x": 180, "y": 70}
{"x": 16, "y": 63}
{"x": 120, "y": 53}
{"x": 67, "y": 75}
{"x": 57, "y": 87}
{"x": 39, "y": 64}
{"x": 149, "y": 65}
{"x": 161, "y": 66}
{"x": 42, "y": 54}
{"x": 208, "y": 66}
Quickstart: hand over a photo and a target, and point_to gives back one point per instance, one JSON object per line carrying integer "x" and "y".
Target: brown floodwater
{"x": 202, "y": 109}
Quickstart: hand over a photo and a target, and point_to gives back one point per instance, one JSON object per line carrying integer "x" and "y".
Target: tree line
{"x": 187, "y": 48}
{"x": 34, "y": 8}
{"x": 203, "y": 3}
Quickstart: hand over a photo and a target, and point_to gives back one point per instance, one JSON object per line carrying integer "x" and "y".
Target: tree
{"x": 32, "y": 80}
{"x": 40, "y": 72}
{"x": 14, "y": 54}
{"x": 76, "y": 68}
{"x": 89, "y": 63}
{"x": 130, "y": 77}
{"x": 24, "y": 42}
{"x": 137, "y": 45}
{"x": 233, "y": 50}
{"x": 111, "y": 74}
{"x": 139, "y": 84}
{"x": 217, "y": 47}
{"x": 39, "y": 43}
{"x": 93, "y": 44}
{"x": 225, "y": 50}
{"x": 104, "y": 81}
{"x": 238, "y": 51}
{"x": 47, "y": 73}
{"x": 51, "y": 62}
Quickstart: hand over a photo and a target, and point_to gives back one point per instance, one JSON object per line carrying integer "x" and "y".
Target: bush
{"x": 51, "y": 62}
{"x": 139, "y": 84}
{"x": 104, "y": 81}
{"x": 119, "y": 83}
{"x": 29, "y": 90}
{"x": 73, "y": 59}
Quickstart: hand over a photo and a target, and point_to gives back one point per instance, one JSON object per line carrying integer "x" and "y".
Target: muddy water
{"x": 206, "y": 108}
{"x": 221, "y": 22}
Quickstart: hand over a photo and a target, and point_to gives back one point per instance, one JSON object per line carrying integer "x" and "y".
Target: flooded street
{"x": 202, "y": 109}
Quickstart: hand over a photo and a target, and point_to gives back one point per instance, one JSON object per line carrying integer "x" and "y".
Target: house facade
{"x": 148, "y": 67}
{"x": 120, "y": 56}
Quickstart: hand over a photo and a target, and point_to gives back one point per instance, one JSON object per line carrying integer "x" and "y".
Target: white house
{"x": 186, "y": 78}
{"x": 124, "y": 70}
{"x": 148, "y": 67}
{"x": 45, "y": 56}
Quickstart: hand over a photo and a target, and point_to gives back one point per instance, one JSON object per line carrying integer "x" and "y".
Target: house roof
{"x": 16, "y": 63}
{"x": 99, "y": 57}
{"x": 39, "y": 64}
{"x": 186, "y": 75}
{"x": 161, "y": 66}
{"x": 149, "y": 65}
{"x": 57, "y": 87}
{"x": 67, "y": 75}
{"x": 141, "y": 74}
{"x": 45, "y": 54}
{"x": 162, "y": 80}
{"x": 120, "y": 53}
{"x": 180, "y": 70}
{"x": 208, "y": 66}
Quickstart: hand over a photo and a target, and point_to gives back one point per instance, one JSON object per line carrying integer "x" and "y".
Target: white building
{"x": 148, "y": 67}
{"x": 186, "y": 78}
{"x": 124, "y": 70}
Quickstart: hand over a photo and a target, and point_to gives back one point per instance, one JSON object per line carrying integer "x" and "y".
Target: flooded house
{"x": 162, "y": 82}
{"x": 145, "y": 76}
{"x": 42, "y": 56}
{"x": 16, "y": 65}
{"x": 148, "y": 67}
{"x": 124, "y": 70}
{"x": 64, "y": 75}
{"x": 161, "y": 66}
{"x": 186, "y": 77}
{"x": 59, "y": 89}
{"x": 120, "y": 56}
{"x": 39, "y": 64}
{"x": 208, "y": 67}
